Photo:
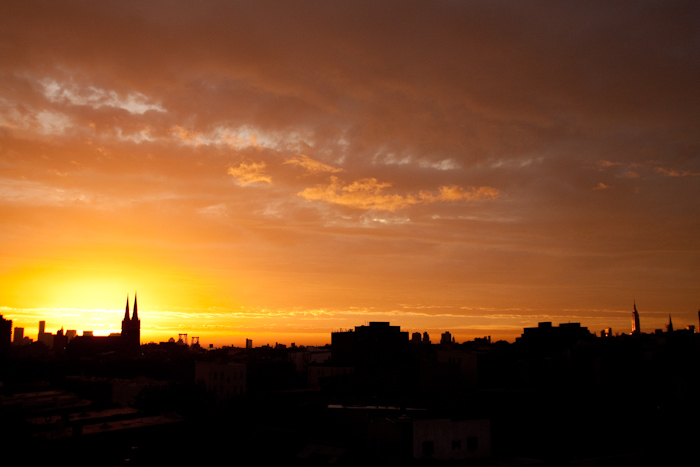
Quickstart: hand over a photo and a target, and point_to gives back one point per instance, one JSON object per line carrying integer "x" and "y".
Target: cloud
{"x": 368, "y": 193}
{"x": 361, "y": 194}
{"x": 135, "y": 103}
{"x": 216, "y": 211}
{"x": 311, "y": 165}
{"x": 17, "y": 116}
{"x": 247, "y": 173}
{"x": 187, "y": 136}
{"x": 675, "y": 173}
{"x": 601, "y": 186}
{"x": 606, "y": 164}
{"x": 456, "y": 193}
{"x": 31, "y": 193}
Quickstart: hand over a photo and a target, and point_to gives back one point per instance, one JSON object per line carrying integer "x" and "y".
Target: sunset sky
{"x": 282, "y": 170}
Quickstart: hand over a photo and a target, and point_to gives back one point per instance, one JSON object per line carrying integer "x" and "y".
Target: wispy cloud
{"x": 247, "y": 173}
{"x": 135, "y": 103}
{"x": 457, "y": 193}
{"x": 368, "y": 193}
{"x": 187, "y": 136}
{"x": 675, "y": 173}
{"x": 362, "y": 194}
{"x": 311, "y": 165}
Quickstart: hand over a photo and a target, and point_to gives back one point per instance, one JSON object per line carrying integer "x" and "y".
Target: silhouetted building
{"x": 378, "y": 344}
{"x": 90, "y": 345}
{"x": 316, "y": 374}
{"x": 59, "y": 341}
{"x": 445, "y": 439}
{"x": 446, "y": 338}
{"x": 547, "y": 337}
{"x": 5, "y": 335}
{"x": 636, "y": 329}
{"x": 131, "y": 327}
{"x": 669, "y": 326}
{"x": 302, "y": 358}
{"x": 224, "y": 380}
{"x": 426, "y": 338}
{"x": 18, "y": 336}
{"x": 416, "y": 338}
{"x": 452, "y": 371}
{"x": 43, "y": 336}
{"x": 125, "y": 392}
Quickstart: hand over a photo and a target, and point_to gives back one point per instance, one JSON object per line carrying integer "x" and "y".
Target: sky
{"x": 282, "y": 170}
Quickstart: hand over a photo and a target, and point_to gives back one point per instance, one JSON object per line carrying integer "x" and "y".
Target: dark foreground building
{"x": 376, "y": 345}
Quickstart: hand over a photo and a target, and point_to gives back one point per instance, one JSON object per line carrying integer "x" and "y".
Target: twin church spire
{"x": 131, "y": 326}
{"x": 135, "y": 316}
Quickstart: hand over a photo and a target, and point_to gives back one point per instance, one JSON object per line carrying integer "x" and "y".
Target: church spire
{"x": 135, "y": 316}
{"x": 126, "y": 313}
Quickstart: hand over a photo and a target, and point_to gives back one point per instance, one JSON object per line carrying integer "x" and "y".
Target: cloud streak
{"x": 310, "y": 165}
{"x": 368, "y": 193}
{"x": 247, "y": 173}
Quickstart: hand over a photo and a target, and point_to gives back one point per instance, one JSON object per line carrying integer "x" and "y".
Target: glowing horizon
{"x": 314, "y": 327}
{"x": 474, "y": 168}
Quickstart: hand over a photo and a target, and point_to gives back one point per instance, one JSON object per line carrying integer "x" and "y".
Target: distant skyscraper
{"x": 18, "y": 336}
{"x": 635, "y": 321}
{"x": 44, "y": 337}
{"x": 5, "y": 335}
{"x": 59, "y": 341}
{"x": 669, "y": 326}
{"x": 446, "y": 338}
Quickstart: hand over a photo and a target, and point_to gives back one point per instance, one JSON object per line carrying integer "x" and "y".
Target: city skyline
{"x": 224, "y": 341}
{"x": 278, "y": 172}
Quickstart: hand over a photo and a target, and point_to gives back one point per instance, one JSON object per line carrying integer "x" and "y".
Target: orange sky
{"x": 281, "y": 170}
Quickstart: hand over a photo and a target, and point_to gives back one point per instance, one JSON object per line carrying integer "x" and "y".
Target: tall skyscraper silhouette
{"x": 635, "y": 321}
